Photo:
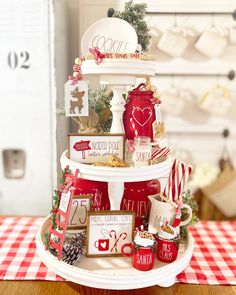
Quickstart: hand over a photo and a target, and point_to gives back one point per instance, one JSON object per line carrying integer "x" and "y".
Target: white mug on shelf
{"x": 174, "y": 100}
{"x": 216, "y": 101}
{"x": 232, "y": 36}
{"x": 173, "y": 42}
{"x": 212, "y": 42}
{"x": 155, "y": 34}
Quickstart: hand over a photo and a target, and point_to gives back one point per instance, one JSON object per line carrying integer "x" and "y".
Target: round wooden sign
{"x": 110, "y": 35}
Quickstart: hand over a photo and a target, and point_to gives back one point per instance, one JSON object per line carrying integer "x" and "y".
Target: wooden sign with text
{"x": 108, "y": 231}
{"x": 91, "y": 148}
{"x": 110, "y": 35}
{"x": 79, "y": 211}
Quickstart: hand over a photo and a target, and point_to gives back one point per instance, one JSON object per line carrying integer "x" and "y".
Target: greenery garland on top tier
{"x": 134, "y": 14}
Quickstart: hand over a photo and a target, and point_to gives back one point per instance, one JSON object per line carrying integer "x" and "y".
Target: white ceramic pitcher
{"x": 162, "y": 212}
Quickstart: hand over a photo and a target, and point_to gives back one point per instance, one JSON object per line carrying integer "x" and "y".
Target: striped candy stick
{"x": 160, "y": 153}
{"x": 187, "y": 170}
{"x": 177, "y": 180}
{"x": 168, "y": 187}
{"x": 181, "y": 167}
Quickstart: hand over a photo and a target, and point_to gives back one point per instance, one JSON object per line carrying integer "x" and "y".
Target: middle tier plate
{"x": 110, "y": 174}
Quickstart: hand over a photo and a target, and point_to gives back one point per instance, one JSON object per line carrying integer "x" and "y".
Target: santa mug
{"x": 162, "y": 212}
{"x": 143, "y": 258}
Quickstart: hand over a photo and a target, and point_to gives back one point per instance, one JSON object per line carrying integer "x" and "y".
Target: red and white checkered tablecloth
{"x": 213, "y": 261}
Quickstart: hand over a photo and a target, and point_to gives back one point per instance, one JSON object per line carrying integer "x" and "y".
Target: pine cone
{"x": 73, "y": 249}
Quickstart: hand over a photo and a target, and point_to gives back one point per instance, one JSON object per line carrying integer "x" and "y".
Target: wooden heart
{"x": 142, "y": 116}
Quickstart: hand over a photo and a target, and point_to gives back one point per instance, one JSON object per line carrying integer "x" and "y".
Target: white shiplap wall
{"x": 194, "y": 131}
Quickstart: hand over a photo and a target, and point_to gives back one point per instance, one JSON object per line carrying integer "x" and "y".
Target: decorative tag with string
{"x": 76, "y": 93}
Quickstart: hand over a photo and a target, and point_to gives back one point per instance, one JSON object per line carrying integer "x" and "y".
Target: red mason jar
{"x": 139, "y": 113}
{"x": 136, "y": 198}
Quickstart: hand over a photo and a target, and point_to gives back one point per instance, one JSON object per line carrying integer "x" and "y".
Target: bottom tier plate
{"x": 114, "y": 273}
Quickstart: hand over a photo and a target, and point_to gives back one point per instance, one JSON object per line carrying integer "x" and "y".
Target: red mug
{"x": 143, "y": 258}
{"x": 102, "y": 244}
{"x": 167, "y": 250}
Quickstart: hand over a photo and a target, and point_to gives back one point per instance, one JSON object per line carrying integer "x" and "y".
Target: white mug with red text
{"x": 162, "y": 212}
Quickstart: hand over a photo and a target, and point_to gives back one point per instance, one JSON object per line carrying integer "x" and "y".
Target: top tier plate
{"x": 110, "y": 174}
{"x": 138, "y": 68}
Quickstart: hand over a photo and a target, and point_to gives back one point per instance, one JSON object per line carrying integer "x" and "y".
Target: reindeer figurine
{"x": 79, "y": 102}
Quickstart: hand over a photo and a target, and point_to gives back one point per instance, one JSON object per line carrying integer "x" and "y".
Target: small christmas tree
{"x": 134, "y": 14}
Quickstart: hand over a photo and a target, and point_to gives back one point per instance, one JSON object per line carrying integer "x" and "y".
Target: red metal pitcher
{"x": 139, "y": 113}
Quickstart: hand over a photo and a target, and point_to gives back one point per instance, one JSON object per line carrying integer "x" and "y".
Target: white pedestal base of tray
{"x": 118, "y": 74}
{"x": 117, "y": 176}
{"x": 114, "y": 273}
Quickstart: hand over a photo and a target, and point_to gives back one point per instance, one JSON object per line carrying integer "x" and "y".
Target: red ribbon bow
{"x": 130, "y": 146}
{"x": 77, "y": 69}
{"x": 97, "y": 55}
{"x": 155, "y": 100}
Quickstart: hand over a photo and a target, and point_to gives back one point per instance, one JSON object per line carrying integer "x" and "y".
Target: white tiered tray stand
{"x": 118, "y": 74}
{"x": 116, "y": 177}
{"x": 114, "y": 273}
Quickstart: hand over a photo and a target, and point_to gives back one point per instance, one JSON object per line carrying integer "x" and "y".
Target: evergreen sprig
{"x": 188, "y": 199}
{"x": 99, "y": 100}
{"x": 134, "y": 14}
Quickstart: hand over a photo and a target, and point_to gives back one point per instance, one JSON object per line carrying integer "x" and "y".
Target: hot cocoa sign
{"x": 108, "y": 231}
{"x": 112, "y": 35}
{"x": 92, "y": 148}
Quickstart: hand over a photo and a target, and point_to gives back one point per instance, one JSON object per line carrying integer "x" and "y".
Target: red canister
{"x": 136, "y": 198}
{"x": 98, "y": 190}
{"x": 139, "y": 113}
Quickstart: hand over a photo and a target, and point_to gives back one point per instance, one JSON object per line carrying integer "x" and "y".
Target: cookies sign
{"x": 112, "y": 35}
{"x": 108, "y": 231}
{"x": 90, "y": 148}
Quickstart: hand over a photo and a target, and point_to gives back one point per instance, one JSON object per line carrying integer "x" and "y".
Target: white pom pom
{"x": 75, "y": 74}
{"x": 148, "y": 87}
{"x": 153, "y": 88}
{"x": 77, "y": 61}
{"x": 155, "y": 95}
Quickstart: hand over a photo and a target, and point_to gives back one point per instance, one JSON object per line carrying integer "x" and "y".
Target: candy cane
{"x": 188, "y": 172}
{"x": 177, "y": 180}
{"x": 181, "y": 167}
{"x": 168, "y": 188}
{"x": 117, "y": 240}
{"x": 160, "y": 153}
{"x": 115, "y": 237}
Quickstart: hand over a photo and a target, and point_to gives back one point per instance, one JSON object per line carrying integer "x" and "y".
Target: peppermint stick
{"x": 177, "y": 180}
{"x": 160, "y": 153}
{"x": 181, "y": 177}
{"x": 168, "y": 190}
